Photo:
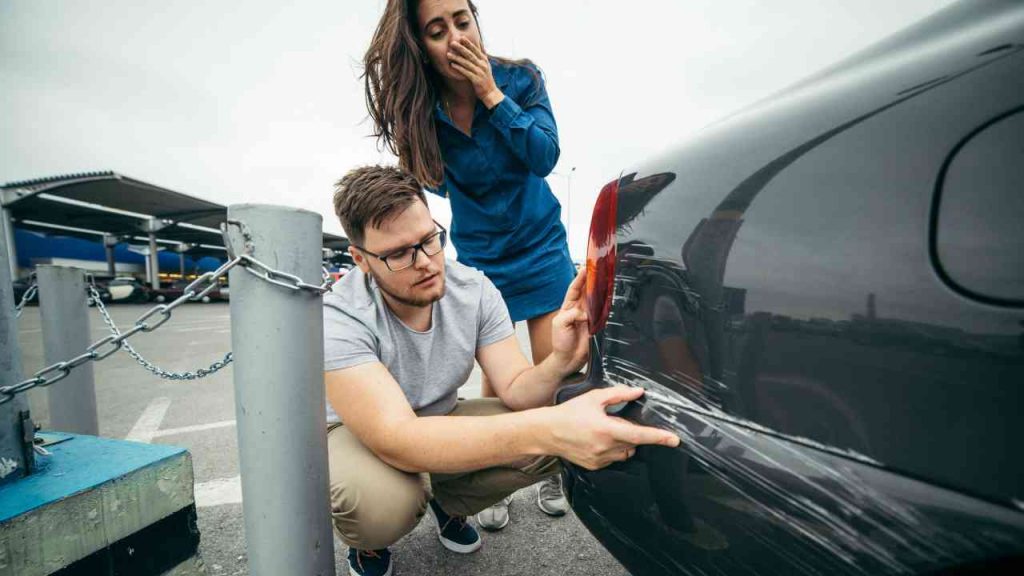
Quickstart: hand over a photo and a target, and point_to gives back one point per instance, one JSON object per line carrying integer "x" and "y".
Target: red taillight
{"x": 601, "y": 257}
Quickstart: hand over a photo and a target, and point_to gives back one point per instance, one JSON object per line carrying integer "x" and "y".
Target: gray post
{"x": 109, "y": 243}
{"x": 154, "y": 263}
{"x": 64, "y": 316}
{"x": 277, "y": 339}
{"x": 14, "y": 459}
{"x": 11, "y": 251}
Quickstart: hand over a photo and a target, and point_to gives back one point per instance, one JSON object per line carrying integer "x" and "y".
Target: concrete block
{"x": 97, "y": 502}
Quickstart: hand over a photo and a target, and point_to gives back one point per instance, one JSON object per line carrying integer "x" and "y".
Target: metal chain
{"x": 29, "y": 293}
{"x": 199, "y": 373}
{"x": 198, "y": 288}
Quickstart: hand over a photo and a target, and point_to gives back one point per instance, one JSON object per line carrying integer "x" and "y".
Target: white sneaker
{"x": 496, "y": 517}
{"x": 550, "y": 498}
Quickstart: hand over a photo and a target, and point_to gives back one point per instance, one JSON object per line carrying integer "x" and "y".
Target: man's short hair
{"x": 370, "y": 195}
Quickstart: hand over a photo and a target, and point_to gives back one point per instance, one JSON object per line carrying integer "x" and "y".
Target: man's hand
{"x": 569, "y": 329}
{"x": 584, "y": 434}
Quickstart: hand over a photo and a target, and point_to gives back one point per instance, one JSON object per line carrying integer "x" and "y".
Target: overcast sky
{"x": 261, "y": 101}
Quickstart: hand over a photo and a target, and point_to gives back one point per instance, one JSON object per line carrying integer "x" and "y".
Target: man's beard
{"x": 407, "y": 300}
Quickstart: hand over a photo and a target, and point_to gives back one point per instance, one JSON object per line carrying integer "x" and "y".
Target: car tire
{"x": 160, "y": 298}
{"x": 206, "y": 300}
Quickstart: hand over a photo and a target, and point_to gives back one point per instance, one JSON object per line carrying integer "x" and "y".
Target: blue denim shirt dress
{"x": 505, "y": 220}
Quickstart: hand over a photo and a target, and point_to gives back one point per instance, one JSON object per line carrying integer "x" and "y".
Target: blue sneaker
{"x": 454, "y": 532}
{"x": 369, "y": 562}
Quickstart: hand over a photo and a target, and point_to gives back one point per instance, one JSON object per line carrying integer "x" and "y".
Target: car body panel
{"x": 738, "y": 500}
{"x": 126, "y": 290}
{"x": 842, "y": 408}
{"x": 177, "y": 288}
{"x": 121, "y": 292}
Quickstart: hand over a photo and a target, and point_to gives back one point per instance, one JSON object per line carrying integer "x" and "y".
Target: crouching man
{"x": 401, "y": 335}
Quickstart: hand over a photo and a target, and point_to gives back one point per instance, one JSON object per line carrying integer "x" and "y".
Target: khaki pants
{"x": 374, "y": 504}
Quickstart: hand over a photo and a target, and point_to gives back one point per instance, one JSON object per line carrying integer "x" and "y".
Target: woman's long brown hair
{"x": 402, "y": 90}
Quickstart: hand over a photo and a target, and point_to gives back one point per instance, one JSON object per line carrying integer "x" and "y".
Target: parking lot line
{"x": 147, "y": 424}
{"x": 218, "y": 492}
{"x": 195, "y": 428}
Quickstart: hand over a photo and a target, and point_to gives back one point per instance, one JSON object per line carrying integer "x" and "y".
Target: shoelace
{"x": 461, "y": 520}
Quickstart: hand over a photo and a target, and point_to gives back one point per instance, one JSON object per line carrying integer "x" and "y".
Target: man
{"x": 402, "y": 332}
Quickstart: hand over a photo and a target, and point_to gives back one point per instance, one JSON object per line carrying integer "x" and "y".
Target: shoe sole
{"x": 540, "y": 504}
{"x": 459, "y": 548}
{"x": 352, "y": 571}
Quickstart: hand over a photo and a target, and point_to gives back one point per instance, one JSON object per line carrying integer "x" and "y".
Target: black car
{"x": 127, "y": 290}
{"x": 176, "y": 289}
{"x": 28, "y": 286}
{"x": 23, "y": 286}
{"x": 823, "y": 295}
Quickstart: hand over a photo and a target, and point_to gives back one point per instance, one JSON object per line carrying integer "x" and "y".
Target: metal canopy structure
{"x": 117, "y": 208}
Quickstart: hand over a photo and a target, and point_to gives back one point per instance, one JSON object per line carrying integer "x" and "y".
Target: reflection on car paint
{"x": 777, "y": 472}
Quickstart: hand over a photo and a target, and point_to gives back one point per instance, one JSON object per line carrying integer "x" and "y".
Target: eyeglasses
{"x": 405, "y": 257}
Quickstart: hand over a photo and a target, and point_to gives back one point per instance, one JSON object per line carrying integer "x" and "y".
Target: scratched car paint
{"x": 846, "y": 405}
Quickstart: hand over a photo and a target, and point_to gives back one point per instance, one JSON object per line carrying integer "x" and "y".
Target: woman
{"x": 479, "y": 131}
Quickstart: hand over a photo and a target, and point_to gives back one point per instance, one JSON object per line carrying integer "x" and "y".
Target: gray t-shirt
{"x": 429, "y": 366}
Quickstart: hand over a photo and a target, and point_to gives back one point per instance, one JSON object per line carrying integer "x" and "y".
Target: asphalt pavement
{"x": 200, "y": 415}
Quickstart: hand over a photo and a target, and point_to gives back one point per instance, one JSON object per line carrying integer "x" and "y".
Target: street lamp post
{"x": 568, "y": 195}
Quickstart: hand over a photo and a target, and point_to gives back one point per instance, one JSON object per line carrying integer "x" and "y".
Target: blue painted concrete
{"x": 76, "y": 465}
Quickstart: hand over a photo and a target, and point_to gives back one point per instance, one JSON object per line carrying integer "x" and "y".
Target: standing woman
{"x": 479, "y": 131}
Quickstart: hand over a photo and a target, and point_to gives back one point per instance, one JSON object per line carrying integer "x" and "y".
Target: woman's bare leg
{"x": 550, "y": 497}
{"x": 540, "y": 336}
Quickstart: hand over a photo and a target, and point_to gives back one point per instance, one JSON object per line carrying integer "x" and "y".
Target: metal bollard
{"x": 15, "y": 460}
{"x": 277, "y": 338}
{"x": 65, "y": 321}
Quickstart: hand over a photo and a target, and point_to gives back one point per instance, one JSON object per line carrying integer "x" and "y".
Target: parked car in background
{"x": 176, "y": 288}
{"x": 823, "y": 295}
{"x": 22, "y": 286}
{"x": 126, "y": 290}
{"x": 102, "y": 291}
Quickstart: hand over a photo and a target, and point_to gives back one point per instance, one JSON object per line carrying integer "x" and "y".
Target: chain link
{"x": 28, "y": 294}
{"x": 116, "y": 344}
{"x": 284, "y": 279}
{"x": 198, "y": 288}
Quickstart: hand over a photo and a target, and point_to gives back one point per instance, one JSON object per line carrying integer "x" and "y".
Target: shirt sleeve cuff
{"x": 342, "y": 362}
{"x": 498, "y": 336}
{"x": 504, "y": 113}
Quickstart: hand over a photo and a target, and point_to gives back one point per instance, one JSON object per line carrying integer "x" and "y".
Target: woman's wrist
{"x": 492, "y": 99}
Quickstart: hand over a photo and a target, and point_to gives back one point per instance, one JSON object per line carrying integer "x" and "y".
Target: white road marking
{"x": 148, "y": 424}
{"x": 218, "y": 492}
{"x": 196, "y": 428}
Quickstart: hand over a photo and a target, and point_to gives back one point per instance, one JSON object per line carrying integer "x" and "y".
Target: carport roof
{"x": 83, "y": 204}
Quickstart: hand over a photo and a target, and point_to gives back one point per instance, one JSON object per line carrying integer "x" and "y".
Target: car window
{"x": 978, "y": 236}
